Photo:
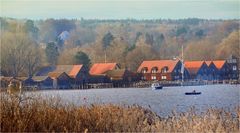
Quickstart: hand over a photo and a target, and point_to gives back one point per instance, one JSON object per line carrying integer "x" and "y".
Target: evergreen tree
{"x": 160, "y": 39}
{"x": 181, "y": 30}
{"x": 31, "y": 29}
{"x": 149, "y": 39}
{"x": 82, "y": 58}
{"x": 199, "y": 33}
{"x": 52, "y": 53}
{"x": 107, "y": 39}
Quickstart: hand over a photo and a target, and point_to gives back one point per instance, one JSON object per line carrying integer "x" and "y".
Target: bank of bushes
{"x": 37, "y": 114}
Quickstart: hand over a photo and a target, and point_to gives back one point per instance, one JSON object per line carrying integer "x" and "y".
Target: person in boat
{"x": 194, "y": 91}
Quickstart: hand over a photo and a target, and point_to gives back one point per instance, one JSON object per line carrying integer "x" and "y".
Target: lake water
{"x": 160, "y": 101}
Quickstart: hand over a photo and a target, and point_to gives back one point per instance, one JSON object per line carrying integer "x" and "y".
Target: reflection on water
{"x": 160, "y": 101}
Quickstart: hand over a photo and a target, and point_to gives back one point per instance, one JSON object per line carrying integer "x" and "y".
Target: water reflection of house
{"x": 60, "y": 80}
{"x": 197, "y": 69}
{"x": 98, "y": 72}
{"x": 162, "y": 70}
{"x": 43, "y": 82}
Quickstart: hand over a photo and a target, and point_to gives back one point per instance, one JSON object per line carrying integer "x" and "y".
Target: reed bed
{"x": 21, "y": 113}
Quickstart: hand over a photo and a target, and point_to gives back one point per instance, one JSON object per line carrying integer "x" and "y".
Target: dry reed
{"x": 37, "y": 114}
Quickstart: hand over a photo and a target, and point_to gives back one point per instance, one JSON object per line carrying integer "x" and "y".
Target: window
{"x": 154, "y": 70}
{"x": 164, "y": 77}
{"x": 234, "y": 68}
{"x": 144, "y": 70}
{"x": 164, "y": 69}
{"x": 154, "y": 77}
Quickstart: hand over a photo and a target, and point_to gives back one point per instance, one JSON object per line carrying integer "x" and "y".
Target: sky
{"x": 120, "y": 9}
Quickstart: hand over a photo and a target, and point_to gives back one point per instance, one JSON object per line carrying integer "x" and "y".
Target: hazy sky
{"x": 121, "y": 9}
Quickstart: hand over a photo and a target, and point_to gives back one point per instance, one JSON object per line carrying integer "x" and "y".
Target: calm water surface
{"x": 160, "y": 101}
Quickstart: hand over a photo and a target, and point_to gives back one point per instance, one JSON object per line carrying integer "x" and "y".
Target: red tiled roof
{"x": 71, "y": 70}
{"x": 116, "y": 74}
{"x": 219, "y": 63}
{"x": 159, "y": 64}
{"x": 101, "y": 68}
{"x": 193, "y": 64}
{"x": 55, "y": 75}
{"x": 208, "y": 62}
{"x": 75, "y": 70}
{"x": 39, "y": 78}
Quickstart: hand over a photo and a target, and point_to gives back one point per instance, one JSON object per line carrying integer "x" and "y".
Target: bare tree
{"x": 33, "y": 59}
{"x": 19, "y": 54}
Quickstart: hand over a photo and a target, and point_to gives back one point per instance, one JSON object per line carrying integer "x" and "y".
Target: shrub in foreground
{"x": 31, "y": 114}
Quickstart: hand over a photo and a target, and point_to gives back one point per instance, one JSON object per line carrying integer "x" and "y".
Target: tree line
{"x": 28, "y": 45}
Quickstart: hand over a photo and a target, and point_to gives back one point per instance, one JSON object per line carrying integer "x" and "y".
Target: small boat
{"x": 193, "y": 93}
{"x": 156, "y": 86}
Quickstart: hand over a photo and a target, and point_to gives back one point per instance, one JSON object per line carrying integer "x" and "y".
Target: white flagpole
{"x": 105, "y": 56}
{"x": 182, "y": 70}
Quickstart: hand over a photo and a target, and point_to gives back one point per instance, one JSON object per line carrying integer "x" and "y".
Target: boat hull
{"x": 157, "y": 88}
{"x": 192, "y": 93}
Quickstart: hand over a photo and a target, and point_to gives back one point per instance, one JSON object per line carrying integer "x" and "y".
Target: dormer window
{"x": 154, "y": 70}
{"x": 144, "y": 70}
{"x": 164, "y": 69}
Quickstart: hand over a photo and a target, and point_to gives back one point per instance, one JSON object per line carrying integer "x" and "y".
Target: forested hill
{"x": 127, "y": 41}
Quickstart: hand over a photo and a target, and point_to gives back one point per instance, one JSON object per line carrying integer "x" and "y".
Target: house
{"x": 64, "y": 36}
{"x": 45, "y": 70}
{"x": 98, "y": 72}
{"x": 78, "y": 73}
{"x": 6, "y": 81}
{"x": 162, "y": 70}
{"x": 43, "y": 82}
{"x": 212, "y": 71}
{"x": 233, "y": 63}
{"x": 197, "y": 69}
{"x": 121, "y": 77}
{"x": 26, "y": 82}
{"x": 223, "y": 69}
{"x": 60, "y": 80}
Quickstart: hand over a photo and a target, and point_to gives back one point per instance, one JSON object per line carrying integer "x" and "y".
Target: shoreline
{"x": 141, "y": 84}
